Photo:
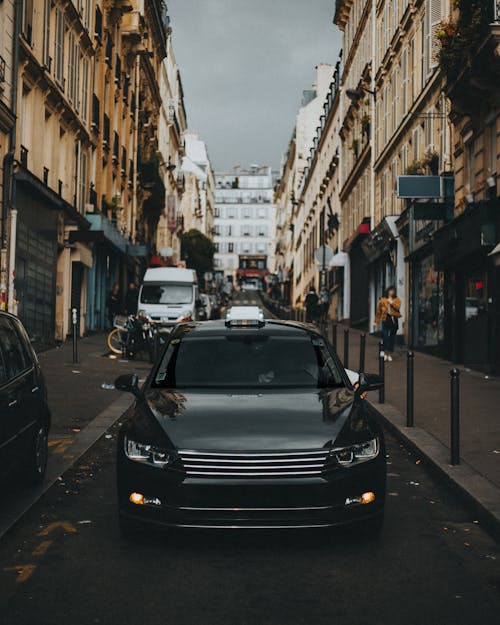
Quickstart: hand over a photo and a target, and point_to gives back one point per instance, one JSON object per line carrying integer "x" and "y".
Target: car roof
{"x": 271, "y": 326}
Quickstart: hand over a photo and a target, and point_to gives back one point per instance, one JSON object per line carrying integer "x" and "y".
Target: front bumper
{"x": 179, "y": 501}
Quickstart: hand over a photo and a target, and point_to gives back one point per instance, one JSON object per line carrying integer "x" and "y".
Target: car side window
{"x": 14, "y": 355}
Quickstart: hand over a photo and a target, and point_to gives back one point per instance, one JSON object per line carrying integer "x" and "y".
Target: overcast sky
{"x": 244, "y": 64}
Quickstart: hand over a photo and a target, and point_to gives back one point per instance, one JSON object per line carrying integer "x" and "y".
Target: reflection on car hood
{"x": 251, "y": 421}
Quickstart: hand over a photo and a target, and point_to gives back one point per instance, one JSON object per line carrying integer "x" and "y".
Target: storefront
{"x": 359, "y": 296}
{"x": 462, "y": 250}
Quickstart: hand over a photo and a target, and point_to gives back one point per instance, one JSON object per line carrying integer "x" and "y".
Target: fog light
{"x": 367, "y": 497}
{"x": 363, "y": 499}
{"x": 137, "y": 499}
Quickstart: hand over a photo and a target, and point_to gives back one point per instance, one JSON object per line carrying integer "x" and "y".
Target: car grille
{"x": 254, "y": 464}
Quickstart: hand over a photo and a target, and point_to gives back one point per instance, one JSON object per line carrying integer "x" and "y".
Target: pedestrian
{"x": 324, "y": 303}
{"x": 388, "y": 314}
{"x": 114, "y": 303}
{"x": 311, "y": 301}
{"x": 131, "y": 299}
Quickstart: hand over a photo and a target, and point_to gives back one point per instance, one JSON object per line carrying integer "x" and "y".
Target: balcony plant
{"x": 459, "y": 40}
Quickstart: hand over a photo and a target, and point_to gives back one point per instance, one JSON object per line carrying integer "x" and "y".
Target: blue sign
{"x": 420, "y": 187}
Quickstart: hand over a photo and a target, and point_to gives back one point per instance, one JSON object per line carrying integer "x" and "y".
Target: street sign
{"x": 419, "y": 187}
{"x": 430, "y": 211}
{"x": 323, "y": 255}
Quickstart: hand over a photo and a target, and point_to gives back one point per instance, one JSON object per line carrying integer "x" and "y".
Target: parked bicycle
{"x": 132, "y": 335}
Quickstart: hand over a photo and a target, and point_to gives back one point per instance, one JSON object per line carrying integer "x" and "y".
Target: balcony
{"x": 2, "y": 70}
{"x": 105, "y": 230}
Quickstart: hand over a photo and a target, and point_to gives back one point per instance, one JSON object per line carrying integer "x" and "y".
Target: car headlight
{"x": 186, "y": 315}
{"x": 356, "y": 454}
{"x": 147, "y": 454}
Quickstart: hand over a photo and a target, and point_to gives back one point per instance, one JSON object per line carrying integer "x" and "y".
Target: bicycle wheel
{"x": 115, "y": 341}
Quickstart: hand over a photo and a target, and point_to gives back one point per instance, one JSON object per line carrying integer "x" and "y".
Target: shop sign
{"x": 419, "y": 187}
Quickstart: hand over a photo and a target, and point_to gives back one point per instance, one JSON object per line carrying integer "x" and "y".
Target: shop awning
{"x": 341, "y": 259}
{"x": 495, "y": 255}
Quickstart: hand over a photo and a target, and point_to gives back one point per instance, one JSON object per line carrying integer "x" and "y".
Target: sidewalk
{"x": 75, "y": 393}
{"x": 478, "y": 475}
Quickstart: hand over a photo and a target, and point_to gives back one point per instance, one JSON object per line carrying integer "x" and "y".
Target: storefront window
{"x": 429, "y": 304}
{"x": 476, "y": 301}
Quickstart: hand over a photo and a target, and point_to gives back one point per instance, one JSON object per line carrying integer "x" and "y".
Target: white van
{"x": 169, "y": 295}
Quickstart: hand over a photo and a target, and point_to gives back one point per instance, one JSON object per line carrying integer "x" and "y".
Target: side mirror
{"x": 130, "y": 384}
{"x": 369, "y": 382}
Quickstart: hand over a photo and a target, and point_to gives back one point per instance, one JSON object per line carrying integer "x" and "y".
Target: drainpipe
{"x": 9, "y": 190}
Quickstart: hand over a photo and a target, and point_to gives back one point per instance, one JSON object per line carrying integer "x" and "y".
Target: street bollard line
{"x": 410, "y": 379}
{"x": 381, "y": 371}
{"x": 455, "y": 416}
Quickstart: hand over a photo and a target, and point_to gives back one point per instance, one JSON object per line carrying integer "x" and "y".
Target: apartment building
{"x": 7, "y": 137}
{"x": 244, "y": 222}
{"x": 199, "y": 195}
{"x": 90, "y": 84}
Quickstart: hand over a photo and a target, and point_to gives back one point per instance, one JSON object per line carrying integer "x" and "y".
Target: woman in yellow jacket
{"x": 388, "y": 313}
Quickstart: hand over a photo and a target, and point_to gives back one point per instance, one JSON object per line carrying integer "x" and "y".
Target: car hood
{"x": 251, "y": 421}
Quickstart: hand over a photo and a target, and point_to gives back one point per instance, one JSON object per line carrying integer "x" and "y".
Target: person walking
{"x": 311, "y": 301}
{"x": 388, "y": 314}
{"x": 114, "y": 304}
{"x": 131, "y": 299}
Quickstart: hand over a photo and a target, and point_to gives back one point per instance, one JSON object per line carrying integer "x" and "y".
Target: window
{"x": 82, "y": 183}
{"x": 469, "y": 174}
{"x": 216, "y": 247}
{"x": 46, "y": 33}
{"x": 84, "y": 104}
{"x": 59, "y": 47}
{"x": 262, "y": 213}
{"x": 15, "y": 358}
{"x": 27, "y": 21}
{"x": 246, "y": 231}
{"x": 434, "y": 18}
{"x": 72, "y": 68}
{"x": 230, "y": 248}
{"x": 259, "y": 361}
{"x": 404, "y": 90}
{"x": 492, "y": 132}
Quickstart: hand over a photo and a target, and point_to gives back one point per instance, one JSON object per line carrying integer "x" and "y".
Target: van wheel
{"x": 38, "y": 451}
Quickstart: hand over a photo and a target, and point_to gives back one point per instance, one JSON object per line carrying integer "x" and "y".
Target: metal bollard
{"x": 381, "y": 372}
{"x": 346, "y": 349}
{"x": 362, "y": 351}
{"x": 74, "y": 322}
{"x": 410, "y": 376}
{"x": 334, "y": 336}
{"x": 455, "y": 416}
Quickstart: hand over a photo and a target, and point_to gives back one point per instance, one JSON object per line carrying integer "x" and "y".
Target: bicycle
{"x": 130, "y": 336}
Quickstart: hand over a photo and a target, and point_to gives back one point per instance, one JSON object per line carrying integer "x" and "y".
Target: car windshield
{"x": 248, "y": 361}
{"x": 166, "y": 293}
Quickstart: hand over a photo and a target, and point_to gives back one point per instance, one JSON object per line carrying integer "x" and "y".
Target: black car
{"x": 25, "y": 415}
{"x": 250, "y": 424}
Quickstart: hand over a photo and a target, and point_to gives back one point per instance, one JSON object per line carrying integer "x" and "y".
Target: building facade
{"x": 244, "y": 222}
{"x": 87, "y": 177}
{"x": 199, "y": 195}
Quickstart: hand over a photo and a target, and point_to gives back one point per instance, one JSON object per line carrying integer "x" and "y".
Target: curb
{"x": 480, "y": 495}
{"x": 57, "y": 466}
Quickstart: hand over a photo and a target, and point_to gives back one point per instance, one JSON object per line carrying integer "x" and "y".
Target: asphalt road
{"x": 65, "y": 562}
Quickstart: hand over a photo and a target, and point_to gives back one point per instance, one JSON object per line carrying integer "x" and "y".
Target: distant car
{"x": 250, "y": 423}
{"x": 206, "y": 307}
{"x": 251, "y": 285}
{"x": 24, "y": 411}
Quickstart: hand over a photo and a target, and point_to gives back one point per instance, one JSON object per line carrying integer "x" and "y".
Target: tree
{"x": 198, "y": 252}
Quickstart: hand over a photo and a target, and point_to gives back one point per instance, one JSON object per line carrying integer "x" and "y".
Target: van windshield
{"x": 167, "y": 293}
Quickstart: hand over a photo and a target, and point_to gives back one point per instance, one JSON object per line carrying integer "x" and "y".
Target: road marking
{"x": 65, "y": 525}
{"x": 24, "y": 572}
{"x": 41, "y": 548}
{"x": 60, "y": 445}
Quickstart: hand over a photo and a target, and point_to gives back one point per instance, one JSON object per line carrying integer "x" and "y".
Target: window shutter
{"x": 46, "y": 32}
{"x": 434, "y": 9}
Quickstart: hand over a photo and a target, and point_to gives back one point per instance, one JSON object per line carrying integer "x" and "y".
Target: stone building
{"x": 87, "y": 187}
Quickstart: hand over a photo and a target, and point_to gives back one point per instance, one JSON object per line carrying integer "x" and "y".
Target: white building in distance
{"x": 244, "y": 221}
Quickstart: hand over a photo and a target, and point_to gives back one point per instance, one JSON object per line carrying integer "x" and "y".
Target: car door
{"x": 17, "y": 396}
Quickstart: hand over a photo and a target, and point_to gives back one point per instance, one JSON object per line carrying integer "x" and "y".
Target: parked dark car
{"x": 24, "y": 411}
{"x": 250, "y": 424}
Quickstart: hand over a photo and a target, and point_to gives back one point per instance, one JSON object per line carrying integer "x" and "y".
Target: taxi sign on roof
{"x": 244, "y": 316}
